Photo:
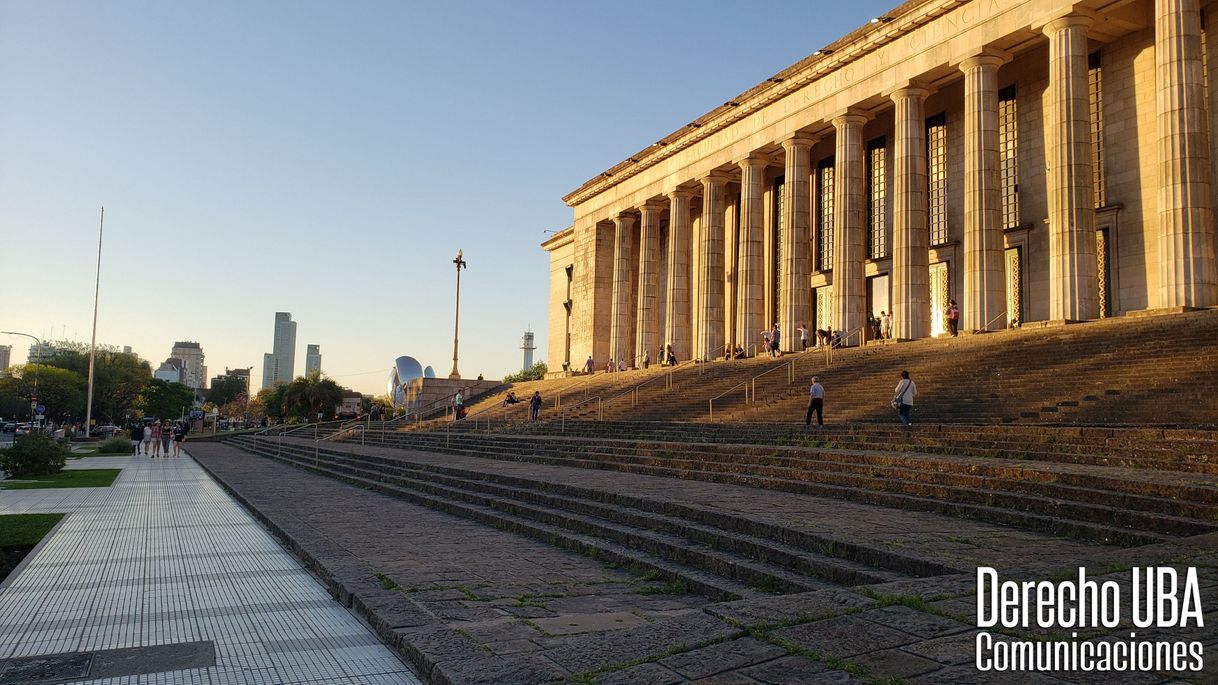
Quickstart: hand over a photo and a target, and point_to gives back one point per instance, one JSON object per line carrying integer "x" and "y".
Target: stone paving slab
{"x": 164, "y": 559}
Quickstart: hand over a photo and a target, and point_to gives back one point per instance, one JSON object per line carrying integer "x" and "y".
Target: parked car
{"x": 106, "y": 431}
{"x": 22, "y": 429}
{"x": 8, "y": 427}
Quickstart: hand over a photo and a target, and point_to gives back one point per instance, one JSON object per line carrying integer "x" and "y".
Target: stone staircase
{"x": 700, "y": 548}
{"x": 1156, "y": 370}
{"x": 1114, "y": 494}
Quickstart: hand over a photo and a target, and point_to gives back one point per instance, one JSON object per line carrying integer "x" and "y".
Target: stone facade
{"x": 1035, "y": 160}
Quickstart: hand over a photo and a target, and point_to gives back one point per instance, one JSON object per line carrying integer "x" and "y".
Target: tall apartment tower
{"x": 191, "y": 354}
{"x": 312, "y": 359}
{"x": 279, "y": 365}
{"x": 6, "y": 352}
{"x": 527, "y": 346}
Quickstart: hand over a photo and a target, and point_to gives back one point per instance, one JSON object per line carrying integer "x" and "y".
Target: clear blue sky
{"x": 328, "y": 159}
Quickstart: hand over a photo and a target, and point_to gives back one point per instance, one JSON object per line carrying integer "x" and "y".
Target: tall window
{"x": 824, "y": 204}
{"x": 877, "y": 198}
{"x": 936, "y": 176}
{"x": 1008, "y": 145}
{"x": 1095, "y": 92}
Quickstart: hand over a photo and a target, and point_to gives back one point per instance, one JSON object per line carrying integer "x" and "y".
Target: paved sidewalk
{"x": 164, "y": 571}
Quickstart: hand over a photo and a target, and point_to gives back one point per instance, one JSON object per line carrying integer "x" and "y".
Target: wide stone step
{"x": 673, "y": 548}
{"x": 1170, "y": 498}
{"x": 736, "y": 538}
{"x": 977, "y": 507}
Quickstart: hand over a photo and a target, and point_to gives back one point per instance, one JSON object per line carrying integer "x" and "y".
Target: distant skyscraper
{"x": 312, "y": 359}
{"x": 5, "y": 352}
{"x": 194, "y": 372}
{"x": 278, "y": 367}
{"x": 526, "y": 344}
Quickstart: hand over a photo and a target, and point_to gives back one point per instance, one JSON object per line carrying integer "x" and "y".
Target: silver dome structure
{"x": 403, "y": 377}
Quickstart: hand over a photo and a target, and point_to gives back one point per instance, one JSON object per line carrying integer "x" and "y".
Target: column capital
{"x": 713, "y": 177}
{"x": 623, "y": 219}
{"x": 911, "y": 89}
{"x": 799, "y": 140}
{"x": 679, "y": 192}
{"x": 984, "y": 57}
{"x": 848, "y": 116}
{"x": 1076, "y": 18}
{"x": 654, "y": 204}
{"x": 754, "y": 160}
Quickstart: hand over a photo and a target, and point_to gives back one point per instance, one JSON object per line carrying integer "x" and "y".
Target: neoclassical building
{"x": 1035, "y": 160}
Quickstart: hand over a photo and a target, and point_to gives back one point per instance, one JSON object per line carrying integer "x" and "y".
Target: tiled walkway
{"x": 164, "y": 556}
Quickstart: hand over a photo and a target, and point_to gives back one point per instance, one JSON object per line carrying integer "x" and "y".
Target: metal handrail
{"x": 584, "y": 382}
{"x": 1000, "y": 315}
{"x": 711, "y": 401}
{"x": 634, "y": 391}
{"x": 600, "y": 411}
{"x": 790, "y": 367}
{"x": 317, "y": 443}
{"x": 858, "y": 331}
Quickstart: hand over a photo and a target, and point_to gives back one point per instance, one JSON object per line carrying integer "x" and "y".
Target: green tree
{"x": 308, "y": 395}
{"x": 535, "y": 372}
{"x": 164, "y": 400}
{"x": 118, "y": 378}
{"x": 60, "y": 390}
{"x": 226, "y": 390}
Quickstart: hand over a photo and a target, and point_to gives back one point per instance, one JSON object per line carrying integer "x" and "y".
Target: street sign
{"x": 41, "y": 409}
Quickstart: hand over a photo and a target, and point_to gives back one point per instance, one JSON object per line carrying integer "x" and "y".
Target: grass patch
{"x": 387, "y": 582}
{"x": 75, "y": 478}
{"x": 19, "y": 533}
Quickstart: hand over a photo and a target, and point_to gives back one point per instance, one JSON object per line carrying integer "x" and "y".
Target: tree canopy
{"x": 308, "y": 395}
{"x": 535, "y": 372}
{"x": 61, "y": 391}
{"x": 164, "y": 400}
{"x": 225, "y": 390}
{"x": 118, "y": 378}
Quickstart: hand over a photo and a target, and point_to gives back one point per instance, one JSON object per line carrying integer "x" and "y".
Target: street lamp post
{"x": 457, "y": 314}
{"x": 41, "y": 351}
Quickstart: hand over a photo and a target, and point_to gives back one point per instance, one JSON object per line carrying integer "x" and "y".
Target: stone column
{"x": 620, "y": 339}
{"x": 794, "y": 292}
{"x": 984, "y": 295}
{"x": 647, "y": 324}
{"x": 676, "y": 310}
{"x": 1073, "y": 287}
{"x": 1188, "y": 274}
{"x": 849, "y": 224}
{"x": 749, "y": 307}
{"x": 910, "y": 241}
{"x": 709, "y": 344}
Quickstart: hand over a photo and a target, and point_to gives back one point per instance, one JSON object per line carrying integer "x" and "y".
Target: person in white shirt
{"x": 886, "y": 325}
{"x": 816, "y": 403}
{"x": 803, "y": 337}
{"x": 903, "y": 397}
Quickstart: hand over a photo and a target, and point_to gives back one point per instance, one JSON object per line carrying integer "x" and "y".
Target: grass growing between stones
{"x": 387, "y": 582}
{"x": 19, "y": 533}
{"x": 74, "y": 478}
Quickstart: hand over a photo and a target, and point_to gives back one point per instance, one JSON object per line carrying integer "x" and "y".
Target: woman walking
{"x": 179, "y": 436}
{"x": 156, "y": 438}
{"x": 148, "y": 441}
{"x": 903, "y": 397}
{"x": 166, "y": 438}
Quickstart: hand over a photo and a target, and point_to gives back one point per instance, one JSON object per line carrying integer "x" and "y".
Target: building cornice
{"x": 847, "y": 49}
{"x": 559, "y": 239}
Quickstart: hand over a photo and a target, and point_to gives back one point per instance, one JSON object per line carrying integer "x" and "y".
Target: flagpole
{"x": 93, "y": 344}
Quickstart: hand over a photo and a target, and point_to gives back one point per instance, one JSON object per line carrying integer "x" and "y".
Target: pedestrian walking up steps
{"x": 1155, "y": 370}
{"x": 1062, "y": 488}
{"x": 716, "y": 553}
